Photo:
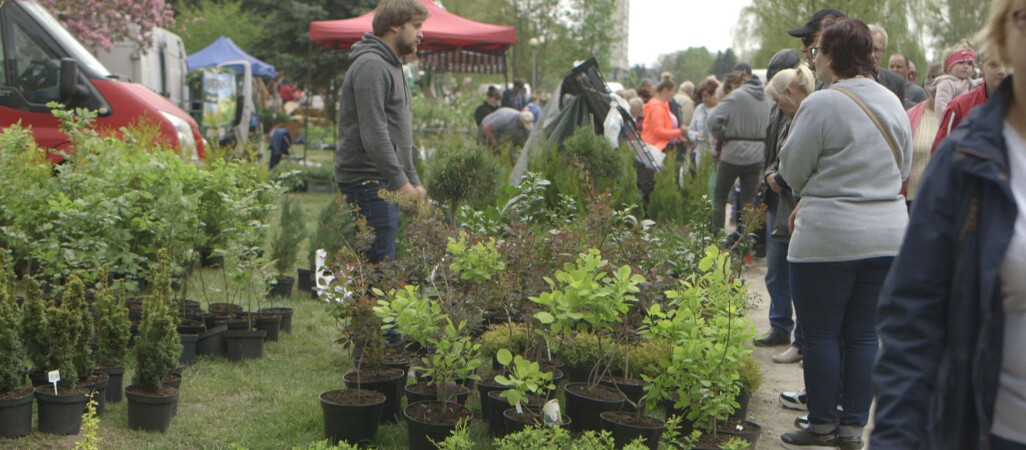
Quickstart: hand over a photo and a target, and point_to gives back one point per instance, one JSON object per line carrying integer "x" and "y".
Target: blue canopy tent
{"x": 224, "y": 50}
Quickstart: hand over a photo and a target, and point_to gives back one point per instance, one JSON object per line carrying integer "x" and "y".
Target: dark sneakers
{"x": 806, "y": 439}
{"x": 850, "y": 443}
{"x": 773, "y": 338}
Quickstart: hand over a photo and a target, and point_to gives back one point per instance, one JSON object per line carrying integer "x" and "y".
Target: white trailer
{"x": 161, "y": 67}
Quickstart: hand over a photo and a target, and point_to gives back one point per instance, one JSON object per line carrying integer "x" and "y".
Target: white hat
{"x": 527, "y": 119}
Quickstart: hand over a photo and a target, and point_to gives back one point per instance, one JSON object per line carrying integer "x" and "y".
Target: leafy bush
{"x": 665, "y": 203}
{"x": 461, "y": 174}
{"x": 556, "y": 437}
{"x": 503, "y": 336}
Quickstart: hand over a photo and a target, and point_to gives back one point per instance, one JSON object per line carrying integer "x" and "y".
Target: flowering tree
{"x": 101, "y": 23}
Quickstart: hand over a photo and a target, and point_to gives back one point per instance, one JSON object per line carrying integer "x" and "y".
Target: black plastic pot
{"x": 750, "y": 432}
{"x": 190, "y": 326}
{"x": 515, "y": 423}
{"x": 211, "y": 342}
{"x": 98, "y": 391}
{"x": 244, "y": 344}
{"x": 38, "y": 378}
{"x": 286, "y": 316}
{"x": 59, "y": 414}
{"x": 389, "y": 387}
{"x": 150, "y": 412}
{"x": 584, "y": 410}
{"x": 496, "y": 406}
{"x": 633, "y": 389}
{"x": 16, "y": 414}
{"x": 420, "y": 434}
{"x": 354, "y": 424}
{"x": 412, "y": 396}
{"x": 483, "y": 388}
{"x": 305, "y": 281}
{"x": 743, "y": 399}
{"x": 624, "y": 433}
{"x": 208, "y": 259}
{"x": 175, "y": 381}
{"x": 188, "y": 348}
{"x": 282, "y": 287}
{"x": 577, "y": 374}
{"x": 270, "y": 323}
{"x": 115, "y": 378}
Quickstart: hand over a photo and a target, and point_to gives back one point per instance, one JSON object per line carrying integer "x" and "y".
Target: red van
{"x": 42, "y": 63}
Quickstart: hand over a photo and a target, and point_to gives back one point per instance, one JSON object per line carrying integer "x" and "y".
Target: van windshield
{"x": 86, "y": 61}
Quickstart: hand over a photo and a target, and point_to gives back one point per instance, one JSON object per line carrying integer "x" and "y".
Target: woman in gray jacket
{"x": 848, "y": 226}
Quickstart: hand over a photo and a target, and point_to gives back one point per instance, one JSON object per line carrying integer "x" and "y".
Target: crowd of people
{"x": 896, "y": 231}
{"x": 875, "y": 196}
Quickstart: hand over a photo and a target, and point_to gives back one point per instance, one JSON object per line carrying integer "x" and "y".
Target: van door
{"x": 30, "y": 76}
{"x": 245, "y": 89}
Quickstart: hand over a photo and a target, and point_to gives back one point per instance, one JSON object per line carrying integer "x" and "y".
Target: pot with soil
{"x": 96, "y": 385}
{"x": 270, "y": 323}
{"x": 286, "y": 316}
{"x": 385, "y": 381}
{"x": 424, "y": 392}
{"x": 282, "y": 287}
{"x": 244, "y": 344}
{"x": 632, "y": 388}
{"x": 515, "y": 422}
{"x": 191, "y": 326}
{"x": 222, "y": 308}
{"x": 628, "y": 426}
{"x": 150, "y": 411}
{"x": 351, "y": 415}
{"x": 115, "y": 382}
{"x": 746, "y": 430}
{"x": 496, "y": 406}
{"x": 16, "y": 412}
{"x": 188, "y": 347}
{"x": 584, "y": 405}
{"x": 485, "y": 386}
{"x": 211, "y": 342}
{"x": 174, "y": 381}
{"x": 305, "y": 281}
{"x": 743, "y": 399}
{"x": 60, "y": 413}
{"x": 432, "y": 421}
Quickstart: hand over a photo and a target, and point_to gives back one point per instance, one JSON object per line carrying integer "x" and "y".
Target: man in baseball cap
{"x": 809, "y": 33}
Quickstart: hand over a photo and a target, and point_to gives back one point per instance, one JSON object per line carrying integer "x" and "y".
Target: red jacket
{"x": 957, "y": 110}
{"x": 658, "y": 130}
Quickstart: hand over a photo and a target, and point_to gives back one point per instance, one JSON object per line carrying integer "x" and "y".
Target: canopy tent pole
{"x": 306, "y": 111}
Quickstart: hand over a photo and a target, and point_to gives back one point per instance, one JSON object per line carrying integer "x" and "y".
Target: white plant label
{"x": 520, "y": 411}
{"x": 54, "y": 376}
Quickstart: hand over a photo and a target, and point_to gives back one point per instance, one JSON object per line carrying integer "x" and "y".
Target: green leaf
{"x": 504, "y": 357}
{"x": 544, "y": 317}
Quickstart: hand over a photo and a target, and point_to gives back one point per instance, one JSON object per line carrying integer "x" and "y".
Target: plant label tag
{"x": 54, "y": 376}
{"x": 551, "y": 413}
{"x": 520, "y": 411}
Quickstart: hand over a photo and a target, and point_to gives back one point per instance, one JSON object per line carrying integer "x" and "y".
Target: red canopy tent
{"x": 451, "y": 43}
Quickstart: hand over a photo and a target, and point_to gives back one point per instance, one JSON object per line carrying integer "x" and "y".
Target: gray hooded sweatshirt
{"x": 376, "y": 119}
{"x": 741, "y": 120}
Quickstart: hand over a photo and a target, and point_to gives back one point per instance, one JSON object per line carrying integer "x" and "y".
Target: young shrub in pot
{"x": 285, "y": 245}
{"x": 15, "y": 396}
{"x": 526, "y": 382}
{"x": 60, "y": 410}
{"x": 113, "y": 332}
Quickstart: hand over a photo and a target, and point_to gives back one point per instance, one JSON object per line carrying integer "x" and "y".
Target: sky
{"x": 665, "y": 26}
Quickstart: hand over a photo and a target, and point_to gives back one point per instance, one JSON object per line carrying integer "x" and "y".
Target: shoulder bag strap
{"x": 876, "y": 121}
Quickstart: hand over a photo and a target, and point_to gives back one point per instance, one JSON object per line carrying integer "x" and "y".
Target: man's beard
{"x": 407, "y": 48}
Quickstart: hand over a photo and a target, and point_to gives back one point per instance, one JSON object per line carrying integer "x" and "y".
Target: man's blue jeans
{"x": 837, "y": 309}
{"x": 778, "y": 279}
{"x": 382, "y": 217}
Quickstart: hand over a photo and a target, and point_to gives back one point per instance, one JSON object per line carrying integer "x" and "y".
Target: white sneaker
{"x": 796, "y": 400}
{"x": 789, "y": 356}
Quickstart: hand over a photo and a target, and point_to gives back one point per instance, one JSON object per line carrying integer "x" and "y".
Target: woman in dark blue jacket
{"x": 946, "y": 377}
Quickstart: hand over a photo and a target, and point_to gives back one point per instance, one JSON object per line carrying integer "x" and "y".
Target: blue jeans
{"x": 778, "y": 279}
{"x": 382, "y": 217}
{"x": 836, "y": 305}
{"x": 998, "y": 443}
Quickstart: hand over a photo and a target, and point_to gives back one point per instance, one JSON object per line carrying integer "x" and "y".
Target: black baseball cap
{"x": 812, "y": 25}
{"x": 787, "y": 58}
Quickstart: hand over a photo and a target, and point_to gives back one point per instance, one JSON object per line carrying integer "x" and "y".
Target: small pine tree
{"x": 159, "y": 346}
{"x": 666, "y": 203}
{"x": 114, "y": 328}
{"x": 285, "y": 248}
{"x": 75, "y": 303}
{"x": 35, "y": 326}
{"x": 65, "y": 331}
{"x": 462, "y": 174}
{"x": 12, "y": 353}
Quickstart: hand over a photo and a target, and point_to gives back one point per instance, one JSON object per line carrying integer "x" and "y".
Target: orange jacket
{"x": 658, "y": 129}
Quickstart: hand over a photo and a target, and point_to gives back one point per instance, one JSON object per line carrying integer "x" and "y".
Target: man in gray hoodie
{"x": 376, "y": 122}
{"x": 739, "y": 122}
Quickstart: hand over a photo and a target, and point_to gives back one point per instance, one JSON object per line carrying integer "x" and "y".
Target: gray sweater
{"x": 376, "y": 119}
{"x": 741, "y": 120}
{"x": 841, "y": 166}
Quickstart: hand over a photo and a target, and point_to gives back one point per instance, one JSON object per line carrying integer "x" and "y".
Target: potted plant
{"x": 450, "y": 356}
{"x": 585, "y": 297}
{"x": 35, "y": 331}
{"x": 285, "y": 246}
{"x": 150, "y": 402}
{"x": 95, "y": 383}
{"x": 529, "y": 386}
{"x": 459, "y": 174}
{"x": 15, "y": 397}
{"x": 353, "y": 414}
{"x": 113, "y": 332}
{"x": 60, "y": 407}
